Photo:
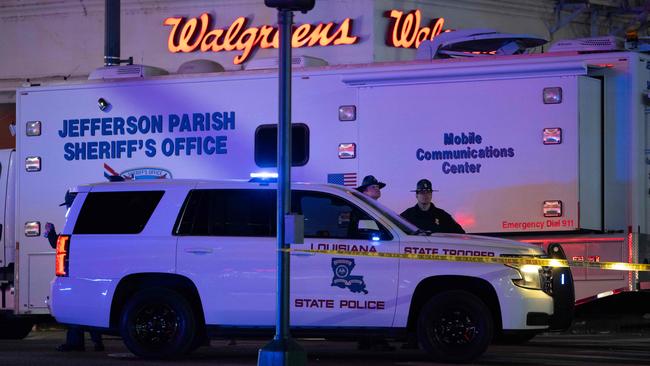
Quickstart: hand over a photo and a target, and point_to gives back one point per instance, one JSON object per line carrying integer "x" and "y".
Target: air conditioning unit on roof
{"x": 595, "y": 44}
{"x": 274, "y": 62}
{"x": 125, "y": 72}
{"x": 476, "y": 43}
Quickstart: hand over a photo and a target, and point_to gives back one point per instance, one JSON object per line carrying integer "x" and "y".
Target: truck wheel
{"x": 158, "y": 323}
{"x": 455, "y": 326}
{"x": 15, "y": 328}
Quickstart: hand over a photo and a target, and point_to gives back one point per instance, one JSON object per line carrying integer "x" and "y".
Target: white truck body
{"x": 413, "y": 120}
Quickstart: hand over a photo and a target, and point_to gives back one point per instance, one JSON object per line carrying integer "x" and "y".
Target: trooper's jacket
{"x": 434, "y": 219}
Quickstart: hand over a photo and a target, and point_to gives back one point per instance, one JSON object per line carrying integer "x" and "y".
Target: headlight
{"x": 530, "y": 276}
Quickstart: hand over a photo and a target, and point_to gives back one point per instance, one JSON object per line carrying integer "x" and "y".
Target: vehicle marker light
{"x": 33, "y": 128}
{"x": 33, "y": 164}
{"x": 347, "y": 151}
{"x": 347, "y": 113}
{"x": 552, "y": 95}
{"x": 32, "y": 228}
{"x": 604, "y": 294}
{"x": 552, "y": 208}
{"x": 62, "y": 248}
{"x": 552, "y": 136}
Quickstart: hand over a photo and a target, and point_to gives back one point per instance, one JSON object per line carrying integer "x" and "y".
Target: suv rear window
{"x": 116, "y": 212}
{"x": 231, "y": 212}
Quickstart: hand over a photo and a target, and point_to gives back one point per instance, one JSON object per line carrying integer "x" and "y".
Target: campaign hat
{"x": 424, "y": 185}
{"x": 370, "y": 180}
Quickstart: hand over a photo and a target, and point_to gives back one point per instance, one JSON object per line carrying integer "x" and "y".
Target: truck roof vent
{"x": 476, "y": 43}
{"x": 200, "y": 67}
{"x": 125, "y": 72}
{"x": 274, "y": 62}
{"x": 595, "y": 44}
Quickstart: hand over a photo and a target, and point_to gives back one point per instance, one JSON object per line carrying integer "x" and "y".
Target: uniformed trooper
{"x": 426, "y": 216}
{"x": 371, "y": 187}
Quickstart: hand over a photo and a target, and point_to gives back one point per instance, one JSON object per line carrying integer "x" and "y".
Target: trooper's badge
{"x": 342, "y": 267}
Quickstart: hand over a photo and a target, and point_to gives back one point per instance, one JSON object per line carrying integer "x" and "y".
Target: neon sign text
{"x": 194, "y": 34}
{"x": 405, "y": 31}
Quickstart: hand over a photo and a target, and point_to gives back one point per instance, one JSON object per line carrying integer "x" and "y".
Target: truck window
{"x": 116, "y": 212}
{"x": 328, "y": 216}
{"x": 228, "y": 212}
{"x": 266, "y": 140}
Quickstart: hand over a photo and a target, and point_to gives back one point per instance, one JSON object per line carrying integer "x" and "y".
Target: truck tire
{"x": 158, "y": 323}
{"x": 455, "y": 326}
{"x": 15, "y": 328}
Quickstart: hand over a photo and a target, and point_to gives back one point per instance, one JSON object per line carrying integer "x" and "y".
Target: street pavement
{"x": 602, "y": 348}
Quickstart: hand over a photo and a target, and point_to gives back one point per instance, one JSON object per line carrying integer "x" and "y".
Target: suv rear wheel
{"x": 158, "y": 323}
{"x": 455, "y": 326}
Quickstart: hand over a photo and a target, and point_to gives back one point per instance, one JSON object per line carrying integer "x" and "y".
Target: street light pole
{"x": 284, "y": 350}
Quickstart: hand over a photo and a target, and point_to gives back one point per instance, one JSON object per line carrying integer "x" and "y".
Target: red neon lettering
{"x": 404, "y": 30}
{"x": 189, "y": 35}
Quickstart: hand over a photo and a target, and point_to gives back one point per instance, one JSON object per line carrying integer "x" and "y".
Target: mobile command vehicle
{"x": 166, "y": 263}
{"x": 544, "y": 148}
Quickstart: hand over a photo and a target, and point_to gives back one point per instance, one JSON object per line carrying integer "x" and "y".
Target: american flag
{"x": 344, "y": 179}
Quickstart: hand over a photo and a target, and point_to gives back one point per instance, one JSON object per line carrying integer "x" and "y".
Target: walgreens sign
{"x": 199, "y": 35}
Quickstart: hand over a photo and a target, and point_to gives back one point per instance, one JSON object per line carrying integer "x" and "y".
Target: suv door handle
{"x": 198, "y": 250}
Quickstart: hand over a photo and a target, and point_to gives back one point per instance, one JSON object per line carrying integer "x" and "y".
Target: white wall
{"x": 44, "y": 40}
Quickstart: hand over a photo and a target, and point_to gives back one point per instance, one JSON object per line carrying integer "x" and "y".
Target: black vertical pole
{"x": 112, "y": 33}
{"x": 285, "y": 20}
{"x": 283, "y": 350}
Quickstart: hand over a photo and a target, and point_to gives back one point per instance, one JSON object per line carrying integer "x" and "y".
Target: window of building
{"x": 116, "y": 212}
{"x": 266, "y": 145}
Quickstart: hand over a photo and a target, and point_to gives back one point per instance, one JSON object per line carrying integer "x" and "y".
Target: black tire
{"x": 15, "y": 327}
{"x": 455, "y": 326}
{"x": 158, "y": 323}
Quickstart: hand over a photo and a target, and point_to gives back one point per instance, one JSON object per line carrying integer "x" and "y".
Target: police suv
{"x": 168, "y": 263}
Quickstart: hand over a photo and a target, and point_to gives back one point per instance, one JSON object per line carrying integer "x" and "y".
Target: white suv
{"x": 166, "y": 264}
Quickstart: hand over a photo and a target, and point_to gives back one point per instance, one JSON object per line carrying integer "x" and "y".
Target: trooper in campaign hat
{"x": 424, "y": 185}
{"x": 426, "y": 216}
{"x": 371, "y": 187}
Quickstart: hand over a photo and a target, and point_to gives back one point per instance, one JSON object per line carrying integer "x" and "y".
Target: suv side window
{"x": 228, "y": 212}
{"x": 116, "y": 212}
{"x": 328, "y": 216}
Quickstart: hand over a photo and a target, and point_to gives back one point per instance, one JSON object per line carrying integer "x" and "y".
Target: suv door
{"x": 340, "y": 290}
{"x": 226, "y": 246}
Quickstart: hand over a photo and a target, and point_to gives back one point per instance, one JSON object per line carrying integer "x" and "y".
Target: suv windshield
{"x": 391, "y": 215}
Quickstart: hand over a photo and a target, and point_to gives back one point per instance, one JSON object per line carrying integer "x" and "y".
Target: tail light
{"x": 62, "y": 248}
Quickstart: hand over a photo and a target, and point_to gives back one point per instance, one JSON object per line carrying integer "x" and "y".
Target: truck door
{"x": 341, "y": 290}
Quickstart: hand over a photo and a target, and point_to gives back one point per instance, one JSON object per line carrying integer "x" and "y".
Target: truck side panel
{"x": 481, "y": 144}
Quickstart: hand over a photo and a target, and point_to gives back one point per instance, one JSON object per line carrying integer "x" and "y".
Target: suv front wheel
{"x": 455, "y": 326}
{"x": 158, "y": 323}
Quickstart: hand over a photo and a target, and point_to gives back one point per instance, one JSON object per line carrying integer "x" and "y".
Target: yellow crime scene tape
{"x": 546, "y": 262}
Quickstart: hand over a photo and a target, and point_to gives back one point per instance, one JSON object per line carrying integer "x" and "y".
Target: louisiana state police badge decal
{"x": 342, "y": 268}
